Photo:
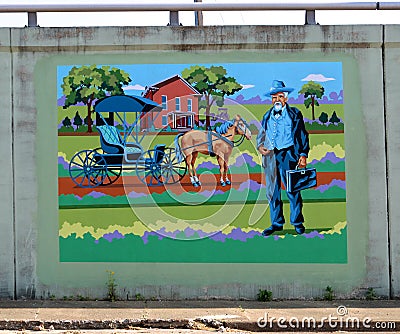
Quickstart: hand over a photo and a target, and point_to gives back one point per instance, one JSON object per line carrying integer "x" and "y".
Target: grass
{"x": 317, "y": 215}
{"x": 329, "y": 138}
{"x": 132, "y": 248}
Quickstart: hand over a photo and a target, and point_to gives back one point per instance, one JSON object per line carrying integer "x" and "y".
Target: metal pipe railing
{"x": 175, "y": 8}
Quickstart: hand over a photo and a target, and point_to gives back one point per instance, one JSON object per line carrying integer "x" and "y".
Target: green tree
{"x": 334, "y": 119}
{"x": 66, "y": 122}
{"x": 213, "y": 83}
{"x": 77, "y": 120}
{"x": 88, "y": 83}
{"x": 312, "y": 91}
{"x": 323, "y": 118}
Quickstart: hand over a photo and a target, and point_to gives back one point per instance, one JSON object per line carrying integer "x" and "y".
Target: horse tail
{"x": 178, "y": 149}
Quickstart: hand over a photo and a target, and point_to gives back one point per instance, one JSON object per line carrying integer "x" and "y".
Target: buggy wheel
{"x": 113, "y": 172}
{"x": 148, "y": 169}
{"x": 88, "y": 169}
{"x": 172, "y": 170}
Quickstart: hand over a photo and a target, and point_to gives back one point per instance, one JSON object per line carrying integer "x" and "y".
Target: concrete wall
{"x": 391, "y": 58}
{"x": 28, "y": 194}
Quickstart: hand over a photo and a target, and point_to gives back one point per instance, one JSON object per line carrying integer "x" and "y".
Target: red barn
{"x": 179, "y": 101}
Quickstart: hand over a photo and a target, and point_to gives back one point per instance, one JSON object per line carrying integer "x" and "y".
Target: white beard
{"x": 278, "y": 106}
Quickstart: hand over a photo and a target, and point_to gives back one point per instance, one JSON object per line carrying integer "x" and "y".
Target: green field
{"x": 241, "y": 240}
{"x": 318, "y": 215}
{"x": 131, "y": 248}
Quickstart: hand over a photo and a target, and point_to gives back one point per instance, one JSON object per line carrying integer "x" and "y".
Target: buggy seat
{"x": 112, "y": 143}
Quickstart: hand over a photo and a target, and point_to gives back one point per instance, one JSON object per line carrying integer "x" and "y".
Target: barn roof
{"x": 172, "y": 79}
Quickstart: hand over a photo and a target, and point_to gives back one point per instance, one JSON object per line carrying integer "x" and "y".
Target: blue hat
{"x": 277, "y": 87}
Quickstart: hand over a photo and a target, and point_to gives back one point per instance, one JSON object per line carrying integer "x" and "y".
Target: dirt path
{"x": 209, "y": 182}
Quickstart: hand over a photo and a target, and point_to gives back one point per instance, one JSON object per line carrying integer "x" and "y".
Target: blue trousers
{"x": 285, "y": 160}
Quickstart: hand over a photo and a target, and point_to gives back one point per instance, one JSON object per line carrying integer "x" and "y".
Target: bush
{"x": 323, "y": 118}
{"x": 78, "y": 120}
{"x": 253, "y": 128}
{"x": 334, "y": 119}
{"x": 66, "y": 122}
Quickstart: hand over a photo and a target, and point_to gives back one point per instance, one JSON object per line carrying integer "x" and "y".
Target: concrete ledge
{"x": 113, "y": 39}
{"x": 202, "y": 315}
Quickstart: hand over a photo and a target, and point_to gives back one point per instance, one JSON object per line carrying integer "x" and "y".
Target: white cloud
{"x": 317, "y": 78}
{"x": 247, "y": 86}
{"x": 134, "y": 87}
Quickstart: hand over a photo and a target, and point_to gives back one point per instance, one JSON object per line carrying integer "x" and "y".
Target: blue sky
{"x": 255, "y": 77}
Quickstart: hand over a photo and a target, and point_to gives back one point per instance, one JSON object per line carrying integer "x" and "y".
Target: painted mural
{"x": 211, "y": 163}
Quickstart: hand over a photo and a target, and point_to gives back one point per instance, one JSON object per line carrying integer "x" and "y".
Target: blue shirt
{"x": 279, "y": 130}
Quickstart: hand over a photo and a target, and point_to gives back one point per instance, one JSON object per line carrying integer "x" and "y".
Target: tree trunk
{"x": 208, "y": 107}
{"x": 90, "y": 114}
{"x": 312, "y": 107}
{"x": 89, "y": 118}
{"x": 207, "y": 117}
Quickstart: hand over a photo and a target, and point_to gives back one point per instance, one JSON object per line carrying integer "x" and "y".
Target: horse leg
{"x": 189, "y": 159}
{"x": 221, "y": 170}
{"x": 227, "y": 181}
{"x": 195, "y": 178}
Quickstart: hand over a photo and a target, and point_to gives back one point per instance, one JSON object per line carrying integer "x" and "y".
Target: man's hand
{"x": 302, "y": 162}
{"x": 263, "y": 150}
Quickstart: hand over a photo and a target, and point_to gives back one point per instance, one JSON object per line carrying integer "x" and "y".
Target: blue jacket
{"x": 300, "y": 135}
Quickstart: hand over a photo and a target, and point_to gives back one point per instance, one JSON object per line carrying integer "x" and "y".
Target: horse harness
{"x": 210, "y": 140}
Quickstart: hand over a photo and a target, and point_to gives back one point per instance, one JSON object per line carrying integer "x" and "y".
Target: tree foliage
{"x": 312, "y": 91}
{"x": 85, "y": 84}
{"x": 66, "y": 122}
{"x": 323, "y": 118}
{"x": 78, "y": 120}
{"x": 334, "y": 119}
{"x": 213, "y": 83}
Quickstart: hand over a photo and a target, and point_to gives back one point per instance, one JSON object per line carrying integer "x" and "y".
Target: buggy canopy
{"x": 126, "y": 104}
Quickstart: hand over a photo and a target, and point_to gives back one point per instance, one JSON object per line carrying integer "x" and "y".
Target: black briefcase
{"x": 301, "y": 178}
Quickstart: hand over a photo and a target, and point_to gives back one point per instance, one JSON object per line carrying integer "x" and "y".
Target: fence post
{"x": 310, "y": 17}
{"x": 32, "y": 19}
{"x": 174, "y": 18}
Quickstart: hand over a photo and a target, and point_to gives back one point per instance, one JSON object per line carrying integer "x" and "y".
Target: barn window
{"x": 189, "y": 105}
{"x": 164, "y": 100}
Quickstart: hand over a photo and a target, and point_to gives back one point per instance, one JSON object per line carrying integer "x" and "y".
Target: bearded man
{"x": 283, "y": 135}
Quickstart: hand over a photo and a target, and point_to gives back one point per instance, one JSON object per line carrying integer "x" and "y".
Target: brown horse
{"x": 217, "y": 143}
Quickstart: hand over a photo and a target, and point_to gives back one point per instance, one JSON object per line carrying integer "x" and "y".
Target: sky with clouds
{"x": 256, "y": 78}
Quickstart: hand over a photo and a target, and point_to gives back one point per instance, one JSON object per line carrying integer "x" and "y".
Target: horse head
{"x": 241, "y": 127}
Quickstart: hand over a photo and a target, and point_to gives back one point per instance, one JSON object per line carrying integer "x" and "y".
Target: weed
{"x": 370, "y": 294}
{"x": 329, "y": 294}
{"x": 52, "y": 297}
{"x": 82, "y": 298}
{"x": 264, "y": 295}
{"x": 138, "y": 296}
{"x": 111, "y": 287}
{"x": 68, "y": 297}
